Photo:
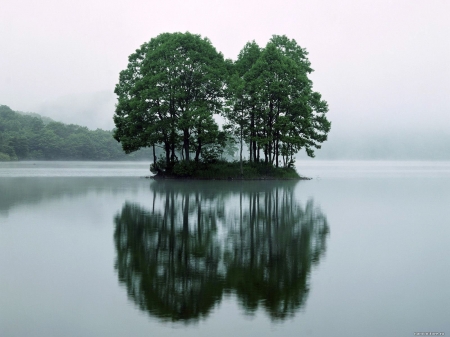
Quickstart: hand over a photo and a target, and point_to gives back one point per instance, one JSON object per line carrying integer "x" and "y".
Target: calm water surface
{"x": 95, "y": 249}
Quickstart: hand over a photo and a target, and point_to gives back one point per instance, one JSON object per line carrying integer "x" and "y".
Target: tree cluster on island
{"x": 175, "y": 85}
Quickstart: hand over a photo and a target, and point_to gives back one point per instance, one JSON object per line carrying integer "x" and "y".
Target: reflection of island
{"x": 180, "y": 255}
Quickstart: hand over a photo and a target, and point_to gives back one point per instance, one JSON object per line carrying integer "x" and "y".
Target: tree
{"x": 245, "y": 61}
{"x": 171, "y": 83}
{"x": 240, "y": 110}
{"x": 20, "y": 145}
{"x": 304, "y": 107}
{"x": 237, "y": 112}
{"x": 175, "y": 83}
{"x": 273, "y": 103}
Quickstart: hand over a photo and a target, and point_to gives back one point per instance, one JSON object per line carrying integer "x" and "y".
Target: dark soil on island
{"x": 229, "y": 171}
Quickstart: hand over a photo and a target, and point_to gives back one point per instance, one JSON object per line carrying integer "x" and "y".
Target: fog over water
{"x": 382, "y": 66}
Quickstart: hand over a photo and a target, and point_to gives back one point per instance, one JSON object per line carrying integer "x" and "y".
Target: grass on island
{"x": 224, "y": 170}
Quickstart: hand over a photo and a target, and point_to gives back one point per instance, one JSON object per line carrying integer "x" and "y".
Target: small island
{"x": 227, "y": 170}
{"x": 177, "y": 89}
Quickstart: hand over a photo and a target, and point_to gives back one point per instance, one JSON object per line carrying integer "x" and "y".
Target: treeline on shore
{"x": 29, "y": 137}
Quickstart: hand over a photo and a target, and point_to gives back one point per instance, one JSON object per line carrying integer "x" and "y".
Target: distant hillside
{"x": 46, "y": 120}
{"x": 29, "y": 136}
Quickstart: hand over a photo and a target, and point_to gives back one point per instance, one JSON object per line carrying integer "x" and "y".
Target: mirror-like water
{"x": 92, "y": 249}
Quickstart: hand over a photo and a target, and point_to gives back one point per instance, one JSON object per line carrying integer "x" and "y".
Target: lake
{"x": 95, "y": 249}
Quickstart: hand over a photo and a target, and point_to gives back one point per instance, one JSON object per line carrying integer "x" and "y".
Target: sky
{"x": 382, "y": 66}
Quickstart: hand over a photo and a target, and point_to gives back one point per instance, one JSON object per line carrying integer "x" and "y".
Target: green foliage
{"x": 45, "y": 120}
{"x": 26, "y": 137}
{"x": 175, "y": 84}
{"x": 4, "y": 157}
{"x": 224, "y": 170}
{"x": 159, "y": 165}
{"x": 272, "y": 102}
{"x": 230, "y": 148}
{"x": 211, "y": 153}
{"x": 185, "y": 168}
{"x": 168, "y": 94}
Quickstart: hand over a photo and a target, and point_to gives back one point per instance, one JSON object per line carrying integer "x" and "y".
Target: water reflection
{"x": 21, "y": 191}
{"x": 191, "y": 244}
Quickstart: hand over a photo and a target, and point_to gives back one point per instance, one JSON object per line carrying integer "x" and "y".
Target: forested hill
{"x": 46, "y": 120}
{"x": 31, "y": 137}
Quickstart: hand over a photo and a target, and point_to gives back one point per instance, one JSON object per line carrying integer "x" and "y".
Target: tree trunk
{"x": 270, "y": 132}
{"x": 242, "y": 170}
{"x": 266, "y": 159}
{"x": 252, "y": 136}
{"x": 172, "y": 155}
{"x": 186, "y": 143}
{"x": 167, "y": 148}
{"x": 198, "y": 150}
{"x": 276, "y": 151}
{"x": 154, "y": 155}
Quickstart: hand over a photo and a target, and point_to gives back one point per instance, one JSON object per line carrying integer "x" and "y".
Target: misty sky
{"x": 381, "y": 65}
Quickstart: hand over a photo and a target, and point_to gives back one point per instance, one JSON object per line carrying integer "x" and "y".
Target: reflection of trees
{"x": 271, "y": 249}
{"x": 168, "y": 259}
{"x": 177, "y": 257}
